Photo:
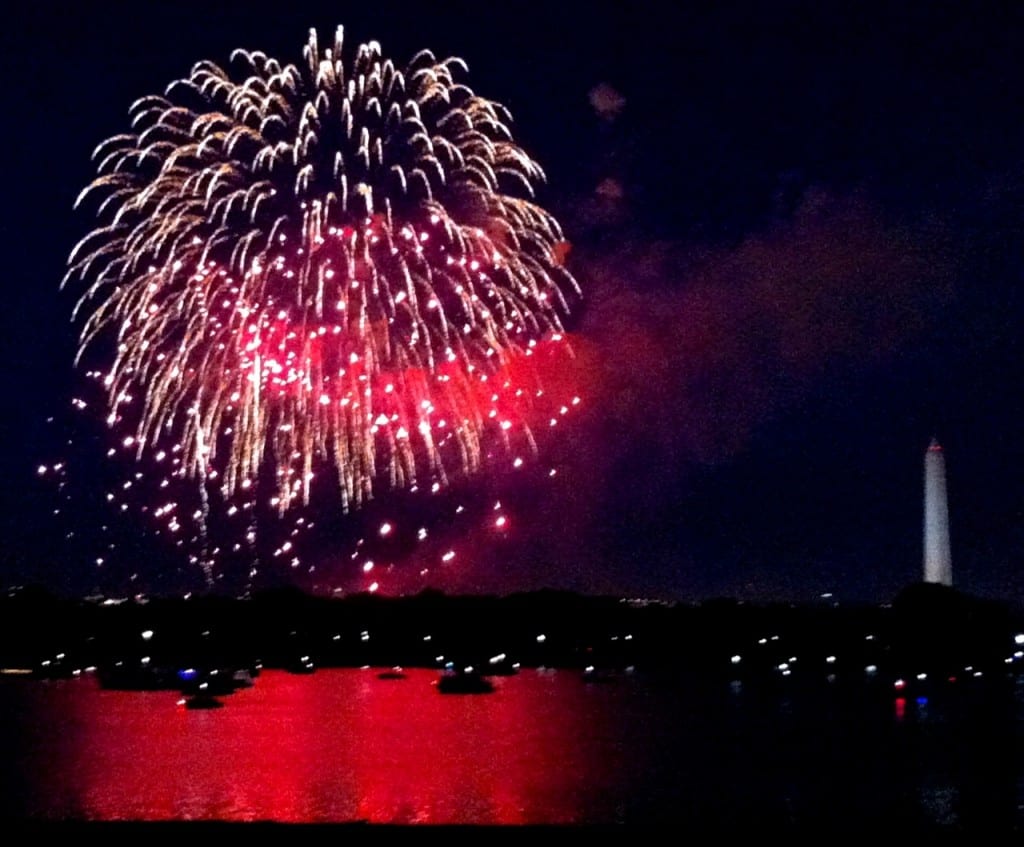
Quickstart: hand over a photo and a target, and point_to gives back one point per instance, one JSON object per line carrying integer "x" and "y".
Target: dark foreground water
{"x": 342, "y": 746}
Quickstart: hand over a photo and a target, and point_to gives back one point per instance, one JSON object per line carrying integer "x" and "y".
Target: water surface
{"x": 342, "y": 746}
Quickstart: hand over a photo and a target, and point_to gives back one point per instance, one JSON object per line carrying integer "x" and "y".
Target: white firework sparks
{"x": 319, "y": 265}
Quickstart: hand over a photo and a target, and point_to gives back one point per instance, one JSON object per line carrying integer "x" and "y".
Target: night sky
{"x": 798, "y": 231}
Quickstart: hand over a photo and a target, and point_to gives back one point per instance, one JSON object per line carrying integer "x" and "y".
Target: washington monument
{"x": 938, "y": 566}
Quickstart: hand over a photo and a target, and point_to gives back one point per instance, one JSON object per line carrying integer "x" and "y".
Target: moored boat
{"x": 392, "y": 673}
{"x": 203, "y": 700}
{"x": 465, "y": 681}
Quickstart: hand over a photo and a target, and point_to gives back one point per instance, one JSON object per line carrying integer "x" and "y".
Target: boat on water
{"x": 243, "y": 678}
{"x": 203, "y": 700}
{"x": 502, "y": 665}
{"x": 392, "y": 673}
{"x": 51, "y": 669}
{"x": 215, "y": 682}
{"x": 466, "y": 681}
{"x": 300, "y": 664}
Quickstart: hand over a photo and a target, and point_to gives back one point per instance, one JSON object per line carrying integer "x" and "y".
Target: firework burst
{"x": 329, "y": 265}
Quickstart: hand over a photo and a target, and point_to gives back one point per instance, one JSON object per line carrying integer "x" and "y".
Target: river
{"x": 545, "y": 748}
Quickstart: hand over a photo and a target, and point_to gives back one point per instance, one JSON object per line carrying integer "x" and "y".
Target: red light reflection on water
{"x": 339, "y": 745}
